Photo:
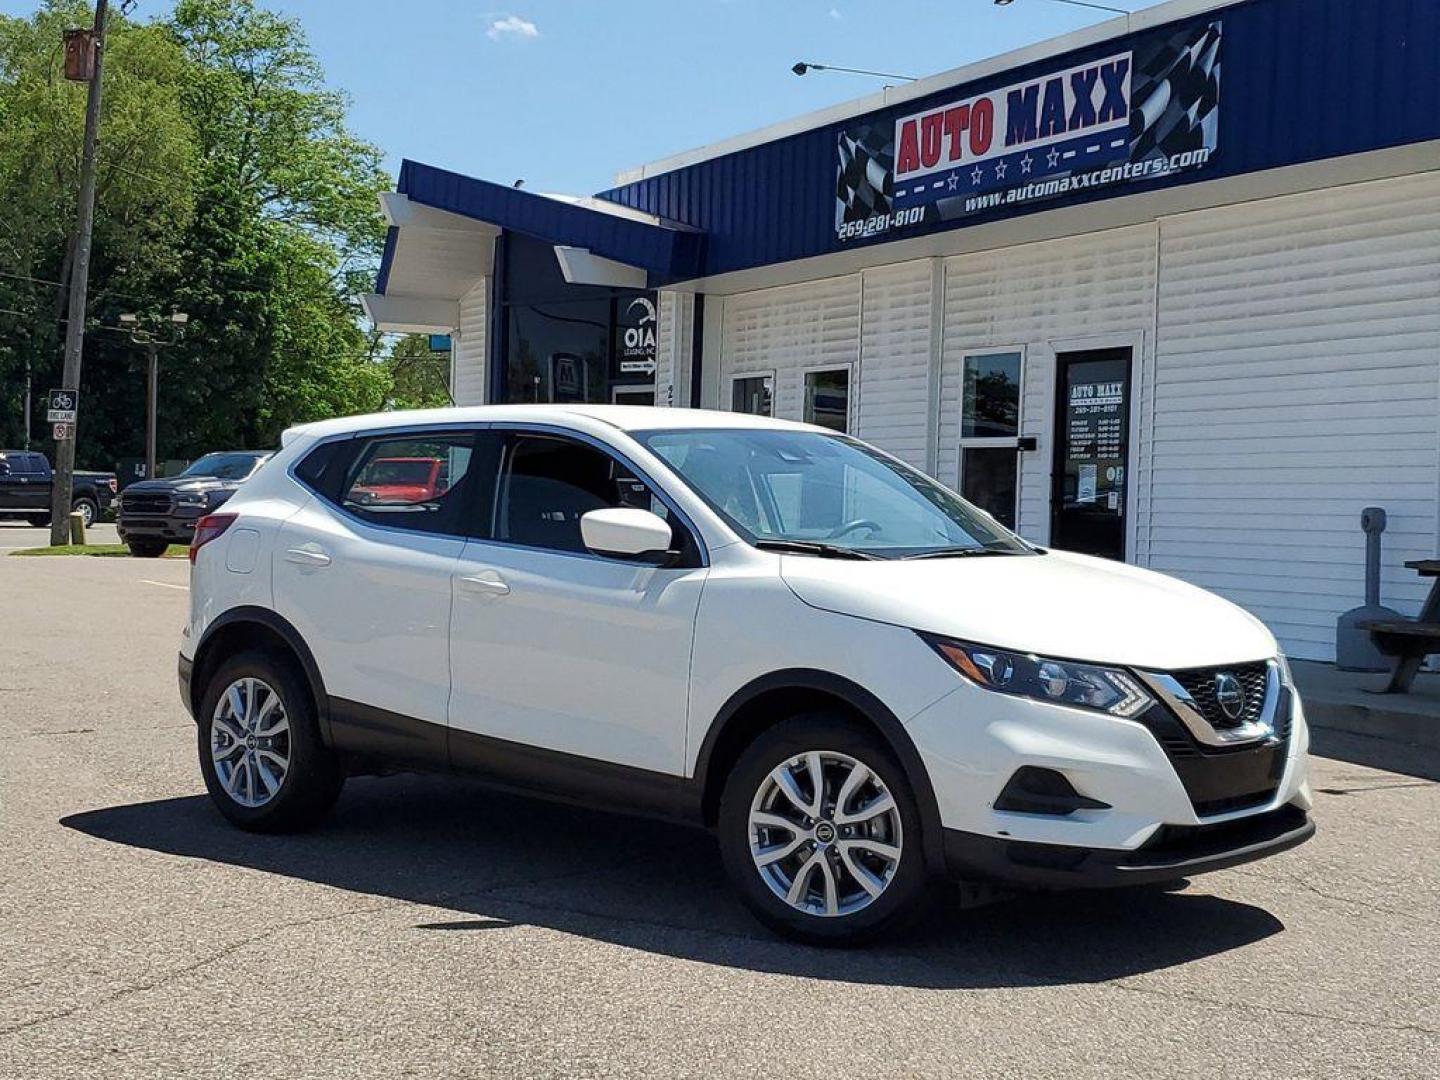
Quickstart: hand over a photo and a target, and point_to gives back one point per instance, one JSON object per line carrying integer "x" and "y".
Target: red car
{"x": 400, "y": 480}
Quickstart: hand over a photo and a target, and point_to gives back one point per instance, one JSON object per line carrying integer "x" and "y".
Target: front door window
{"x": 1092, "y": 450}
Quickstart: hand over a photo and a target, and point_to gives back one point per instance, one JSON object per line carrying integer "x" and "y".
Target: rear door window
{"x": 419, "y": 482}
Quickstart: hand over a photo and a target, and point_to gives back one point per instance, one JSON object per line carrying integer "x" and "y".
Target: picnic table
{"x": 1410, "y": 641}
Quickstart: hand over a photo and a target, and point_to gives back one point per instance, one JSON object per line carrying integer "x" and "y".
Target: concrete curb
{"x": 1348, "y": 702}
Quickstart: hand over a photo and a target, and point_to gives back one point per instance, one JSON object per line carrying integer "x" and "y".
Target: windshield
{"x": 225, "y": 466}
{"x": 810, "y": 488}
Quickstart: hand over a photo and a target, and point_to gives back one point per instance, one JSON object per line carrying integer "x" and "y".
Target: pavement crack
{"x": 1340, "y": 898}
{"x": 174, "y": 974}
{"x": 1248, "y": 1008}
{"x": 63, "y": 731}
{"x": 167, "y": 977}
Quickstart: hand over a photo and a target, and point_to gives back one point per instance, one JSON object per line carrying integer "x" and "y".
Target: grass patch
{"x": 174, "y": 551}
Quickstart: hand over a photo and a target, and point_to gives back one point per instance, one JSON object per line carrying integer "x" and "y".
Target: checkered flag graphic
{"x": 865, "y": 175}
{"x": 1176, "y": 95}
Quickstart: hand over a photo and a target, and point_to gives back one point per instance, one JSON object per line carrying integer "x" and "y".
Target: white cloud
{"x": 512, "y": 26}
{"x": 835, "y": 13}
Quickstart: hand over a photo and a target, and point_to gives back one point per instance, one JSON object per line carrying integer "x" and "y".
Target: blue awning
{"x": 666, "y": 251}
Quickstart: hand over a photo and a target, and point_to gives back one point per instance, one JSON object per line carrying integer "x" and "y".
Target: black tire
{"x": 311, "y": 785}
{"x": 900, "y": 901}
{"x": 87, "y": 506}
{"x": 147, "y": 549}
{"x": 38, "y": 521}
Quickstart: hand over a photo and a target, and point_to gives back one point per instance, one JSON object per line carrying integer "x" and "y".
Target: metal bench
{"x": 1411, "y": 641}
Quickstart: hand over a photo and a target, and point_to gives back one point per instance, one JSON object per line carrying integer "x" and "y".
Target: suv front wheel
{"x": 820, "y": 833}
{"x": 264, "y": 763}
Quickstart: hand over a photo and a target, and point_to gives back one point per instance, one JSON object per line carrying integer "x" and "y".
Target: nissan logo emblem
{"x": 1229, "y": 695}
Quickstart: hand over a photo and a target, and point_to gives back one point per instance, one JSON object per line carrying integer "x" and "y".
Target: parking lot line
{"x": 164, "y": 584}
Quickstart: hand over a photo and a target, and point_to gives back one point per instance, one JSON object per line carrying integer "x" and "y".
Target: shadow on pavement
{"x": 499, "y": 861}
{"x": 1386, "y": 754}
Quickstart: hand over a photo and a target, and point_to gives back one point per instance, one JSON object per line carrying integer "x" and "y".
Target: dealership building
{"x": 1165, "y": 290}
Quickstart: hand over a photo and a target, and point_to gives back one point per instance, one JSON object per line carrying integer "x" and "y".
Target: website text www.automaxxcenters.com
{"x": 1113, "y": 174}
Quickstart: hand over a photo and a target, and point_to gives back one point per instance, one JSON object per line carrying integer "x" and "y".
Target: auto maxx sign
{"x": 1143, "y": 113}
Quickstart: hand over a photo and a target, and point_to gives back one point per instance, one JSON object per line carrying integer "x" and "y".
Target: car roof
{"x": 629, "y": 418}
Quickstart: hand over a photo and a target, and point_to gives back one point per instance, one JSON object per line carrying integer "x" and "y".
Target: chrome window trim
{"x": 1175, "y": 697}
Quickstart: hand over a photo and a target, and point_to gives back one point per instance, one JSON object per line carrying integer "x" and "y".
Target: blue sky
{"x": 564, "y": 93}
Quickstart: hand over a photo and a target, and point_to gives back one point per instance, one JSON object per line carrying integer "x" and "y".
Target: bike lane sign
{"x": 62, "y": 406}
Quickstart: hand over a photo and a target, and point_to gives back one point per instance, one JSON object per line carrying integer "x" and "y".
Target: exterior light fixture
{"x": 807, "y": 65}
{"x": 1076, "y": 3}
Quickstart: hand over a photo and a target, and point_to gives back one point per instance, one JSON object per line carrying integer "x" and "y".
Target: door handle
{"x": 307, "y": 555}
{"x": 485, "y": 582}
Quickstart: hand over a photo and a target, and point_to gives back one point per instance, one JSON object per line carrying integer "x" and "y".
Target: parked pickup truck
{"x": 26, "y": 483}
{"x": 153, "y": 514}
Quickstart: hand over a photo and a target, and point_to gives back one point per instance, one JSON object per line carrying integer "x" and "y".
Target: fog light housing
{"x": 1033, "y": 790}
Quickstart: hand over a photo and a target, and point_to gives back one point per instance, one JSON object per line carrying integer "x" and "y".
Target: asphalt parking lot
{"x": 434, "y": 929}
{"x": 16, "y": 534}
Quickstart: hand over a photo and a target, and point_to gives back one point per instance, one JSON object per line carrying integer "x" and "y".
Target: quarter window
{"x": 411, "y": 481}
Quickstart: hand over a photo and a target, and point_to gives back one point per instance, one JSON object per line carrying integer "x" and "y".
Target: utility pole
{"x": 152, "y": 397}
{"x": 79, "y": 285}
{"x": 141, "y": 335}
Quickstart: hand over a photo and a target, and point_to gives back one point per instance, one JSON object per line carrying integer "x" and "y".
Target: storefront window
{"x": 827, "y": 398}
{"x": 753, "y": 394}
{"x": 989, "y": 428}
{"x": 557, "y": 352}
{"x": 571, "y": 343}
{"x": 992, "y": 396}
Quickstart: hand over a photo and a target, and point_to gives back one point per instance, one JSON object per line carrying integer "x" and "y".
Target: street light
{"x": 153, "y": 345}
{"x": 806, "y": 65}
{"x": 1076, "y": 3}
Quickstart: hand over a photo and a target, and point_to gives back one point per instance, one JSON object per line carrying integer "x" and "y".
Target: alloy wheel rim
{"x": 250, "y": 742}
{"x": 825, "y": 833}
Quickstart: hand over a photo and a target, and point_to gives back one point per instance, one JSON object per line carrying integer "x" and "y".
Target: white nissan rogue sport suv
{"x": 857, "y": 680}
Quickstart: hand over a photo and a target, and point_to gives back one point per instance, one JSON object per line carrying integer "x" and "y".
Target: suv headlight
{"x": 1061, "y": 682}
{"x": 192, "y": 498}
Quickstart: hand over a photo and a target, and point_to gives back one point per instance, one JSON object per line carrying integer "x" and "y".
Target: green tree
{"x": 419, "y": 378}
{"x": 230, "y": 188}
{"x": 146, "y": 169}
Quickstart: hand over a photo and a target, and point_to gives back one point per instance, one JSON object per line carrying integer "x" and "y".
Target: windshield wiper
{"x": 815, "y": 547}
{"x": 962, "y": 553}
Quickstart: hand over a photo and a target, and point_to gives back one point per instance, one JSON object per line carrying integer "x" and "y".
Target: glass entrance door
{"x": 1092, "y": 450}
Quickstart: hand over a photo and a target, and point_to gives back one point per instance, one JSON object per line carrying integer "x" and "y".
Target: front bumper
{"x": 173, "y": 529}
{"x": 1170, "y": 854}
{"x": 1145, "y": 787}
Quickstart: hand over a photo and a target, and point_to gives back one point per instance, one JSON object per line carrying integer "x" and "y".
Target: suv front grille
{"x": 1200, "y": 684}
{"x": 145, "y": 502}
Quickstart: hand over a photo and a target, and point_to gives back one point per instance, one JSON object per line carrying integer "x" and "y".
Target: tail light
{"x": 210, "y": 527}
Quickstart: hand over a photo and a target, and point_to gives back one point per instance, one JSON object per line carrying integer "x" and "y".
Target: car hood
{"x": 176, "y": 484}
{"x": 1057, "y": 604}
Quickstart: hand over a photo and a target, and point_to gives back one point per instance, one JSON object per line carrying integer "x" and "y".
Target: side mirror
{"x": 625, "y": 532}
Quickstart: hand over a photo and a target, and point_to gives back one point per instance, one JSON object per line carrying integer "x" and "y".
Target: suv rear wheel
{"x": 820, "y": 833}
{"x": 260, "y": 750}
